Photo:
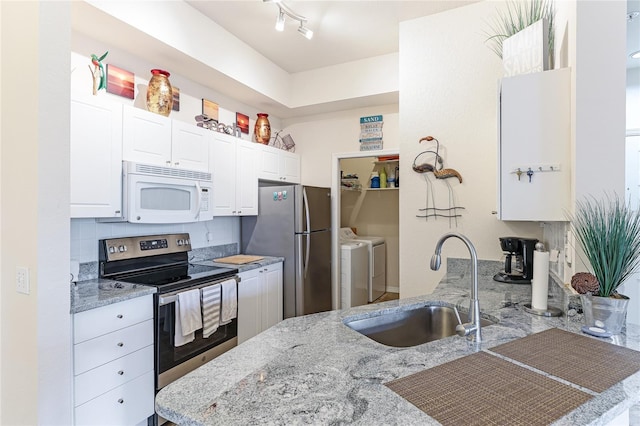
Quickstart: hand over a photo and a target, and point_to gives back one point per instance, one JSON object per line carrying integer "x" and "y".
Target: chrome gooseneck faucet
{"x": 468, "y": 328}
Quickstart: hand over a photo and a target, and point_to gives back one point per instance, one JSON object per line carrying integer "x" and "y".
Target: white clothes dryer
{"x": 354, "y": 277}
{"x": 377, "y": 261}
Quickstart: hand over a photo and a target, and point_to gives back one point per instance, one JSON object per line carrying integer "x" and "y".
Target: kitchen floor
{"x": 387, "y": 296}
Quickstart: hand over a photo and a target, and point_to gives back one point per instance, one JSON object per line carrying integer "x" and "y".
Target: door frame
{"x": 335, "y": 214}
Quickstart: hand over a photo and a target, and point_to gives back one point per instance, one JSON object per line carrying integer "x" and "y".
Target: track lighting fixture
{"x": 283, "y": 10}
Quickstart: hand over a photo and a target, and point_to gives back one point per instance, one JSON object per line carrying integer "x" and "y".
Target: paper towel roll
{"x": 540, "y": 281}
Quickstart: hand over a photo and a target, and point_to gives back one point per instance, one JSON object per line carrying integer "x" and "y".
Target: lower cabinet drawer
{"x": 128, "y": 404}
{"x": 99, "y": 380}
{"x": 95, "y": 352}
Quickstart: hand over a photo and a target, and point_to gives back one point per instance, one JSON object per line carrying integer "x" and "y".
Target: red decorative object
{"x": 159, "y": 93}
{"x": 262, "y": 129}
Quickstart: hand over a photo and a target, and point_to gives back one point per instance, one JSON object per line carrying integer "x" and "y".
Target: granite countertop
{"x": 94, "y": 293}
{"x": 267, "y": 260}
{"x": 315, "y": 370}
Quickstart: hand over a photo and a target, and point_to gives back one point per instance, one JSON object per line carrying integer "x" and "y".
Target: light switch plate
{"x": 22, "y": 280}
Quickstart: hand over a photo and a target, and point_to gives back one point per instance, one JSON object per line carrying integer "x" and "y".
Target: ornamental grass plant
{"x": 609, "y": 233}
{"x": 517, "y": 16}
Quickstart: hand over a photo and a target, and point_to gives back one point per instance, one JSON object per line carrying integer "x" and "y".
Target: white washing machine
{"x": 377, "y": 261}
{"x": 354, "y": 277}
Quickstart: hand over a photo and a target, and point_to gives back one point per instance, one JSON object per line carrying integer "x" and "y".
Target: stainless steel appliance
{"x": 518, "y": 264}
{"x": 161, "y": 261}
{"x": 156, "y": 194}
{"x": 294, "y": 222}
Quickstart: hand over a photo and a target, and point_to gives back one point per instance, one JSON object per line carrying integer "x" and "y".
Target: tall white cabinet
{"x": 260, "y": 300}
{"x": 235, "y": 182}
{"x": 534, "y": 146}
{"x": 95, "y": 158}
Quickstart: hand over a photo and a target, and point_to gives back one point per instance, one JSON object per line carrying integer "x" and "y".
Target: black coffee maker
{"x": 518, "y": 263}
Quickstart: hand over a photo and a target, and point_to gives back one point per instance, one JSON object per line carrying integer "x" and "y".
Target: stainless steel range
{"x": 162, "y": 261}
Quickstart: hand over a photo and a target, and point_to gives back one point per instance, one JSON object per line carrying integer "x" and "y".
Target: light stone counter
{"x": 94, "y": 293}
{"x": 316, "y": 370}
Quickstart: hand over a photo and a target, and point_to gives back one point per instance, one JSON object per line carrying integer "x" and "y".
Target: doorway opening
{"x": 359, "y": 207}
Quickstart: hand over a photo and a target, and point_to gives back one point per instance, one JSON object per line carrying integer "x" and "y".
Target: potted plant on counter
{"x": 609, "y": 233}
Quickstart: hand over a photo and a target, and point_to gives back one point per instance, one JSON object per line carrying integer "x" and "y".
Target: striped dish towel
{"x": 210, "y": 300}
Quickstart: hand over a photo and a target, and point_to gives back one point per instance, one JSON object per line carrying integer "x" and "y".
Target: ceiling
{"x": 344, "y": 31}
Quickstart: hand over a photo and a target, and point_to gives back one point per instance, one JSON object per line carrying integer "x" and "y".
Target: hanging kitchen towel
{"x": 229, "y": 301}
{"x": 178, "y": 338}
{"x": 190, "y": 316}
{"x": 210, "y": 300}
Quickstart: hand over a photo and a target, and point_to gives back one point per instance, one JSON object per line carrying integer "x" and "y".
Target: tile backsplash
{"x": 85, "y": 234}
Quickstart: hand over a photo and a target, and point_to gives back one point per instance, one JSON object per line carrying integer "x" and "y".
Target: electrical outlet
{"x": 22, "y": 279}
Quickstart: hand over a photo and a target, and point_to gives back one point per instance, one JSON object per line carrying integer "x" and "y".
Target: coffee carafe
{"x": 518, "y": 263}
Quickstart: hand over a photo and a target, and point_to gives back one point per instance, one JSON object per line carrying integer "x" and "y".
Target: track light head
{"x": 280, "y": 21}
{"x": 305, "y": 31}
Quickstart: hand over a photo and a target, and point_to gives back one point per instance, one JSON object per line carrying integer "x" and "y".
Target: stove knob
{"x": 122, "y": 249}
{"x": 112, "y": 249}
{"x": 186, "y": 241}
{"x": 180, "y": 242}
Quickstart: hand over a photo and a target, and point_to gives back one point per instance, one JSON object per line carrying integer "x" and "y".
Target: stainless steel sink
{"x": 404, "y": 328}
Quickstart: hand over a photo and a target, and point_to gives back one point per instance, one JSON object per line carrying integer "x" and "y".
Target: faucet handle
{"x": 455, "y": 309}
{"x": 463, "y": 329}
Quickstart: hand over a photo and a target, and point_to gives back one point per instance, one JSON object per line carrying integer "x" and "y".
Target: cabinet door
{"x": 146, "y": 137}
{"x": 246, "y": 190}
{"x": 190, "y": 146}
{"x": 249, "y": 317}
{"x": 268, "y": 163}
{"x": 290, "y": 167}
{"x": 222, "y": 160}
{"x": 271, "y": 289}
{"x": 535, "y": 118}
{"x": 95, "y": 158}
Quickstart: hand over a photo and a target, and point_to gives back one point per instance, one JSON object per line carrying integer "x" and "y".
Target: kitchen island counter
{"x": 316, "y": 370}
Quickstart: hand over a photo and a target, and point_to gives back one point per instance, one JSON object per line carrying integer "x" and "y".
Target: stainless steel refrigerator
{"x": 294, "y": 222}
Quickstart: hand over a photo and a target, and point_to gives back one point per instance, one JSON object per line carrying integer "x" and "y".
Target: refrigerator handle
{"x": 306, "y": 257}
{"x": 305, "y": 203}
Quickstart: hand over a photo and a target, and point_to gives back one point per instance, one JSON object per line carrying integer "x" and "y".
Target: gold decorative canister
{"x": 159, "y": 93}
{"x": 262, "y": 129}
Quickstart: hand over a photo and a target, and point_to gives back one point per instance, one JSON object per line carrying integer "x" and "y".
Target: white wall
{"x": 633, "y": 98}
{"x": 35, "y": 328}
{"x": 448, "y": 89}
{"x": 318, "y": 137}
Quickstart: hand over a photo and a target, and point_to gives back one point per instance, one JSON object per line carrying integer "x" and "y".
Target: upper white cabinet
{"x": 277, "y": 165}
{"x": 235, "y": 183}
{"x": 534, "y": 146}
{"x": 95, "y": 158}
{"x": 154, "y": 139}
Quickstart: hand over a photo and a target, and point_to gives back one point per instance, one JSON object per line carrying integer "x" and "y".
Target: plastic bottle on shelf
{"x": 383, "y": 178}
{"x": 397, "y": 176}
{"x": 391, "y": 179}
{"x": 375, "y": 180}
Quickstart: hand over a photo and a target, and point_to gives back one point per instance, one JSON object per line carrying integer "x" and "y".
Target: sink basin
{"x": 404, "y": 328}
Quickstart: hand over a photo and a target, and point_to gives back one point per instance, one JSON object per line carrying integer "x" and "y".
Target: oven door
{"x": 173, "y": 362}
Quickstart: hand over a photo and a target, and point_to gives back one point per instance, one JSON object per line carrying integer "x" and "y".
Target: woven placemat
{"x": 482, "y": 389}
{"x": 584, "y": 361}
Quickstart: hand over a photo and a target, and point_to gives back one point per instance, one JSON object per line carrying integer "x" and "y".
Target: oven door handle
{"x": 167, "y": 298}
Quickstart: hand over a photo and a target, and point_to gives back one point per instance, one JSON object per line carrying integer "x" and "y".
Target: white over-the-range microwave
{"x": 157, "y": 194}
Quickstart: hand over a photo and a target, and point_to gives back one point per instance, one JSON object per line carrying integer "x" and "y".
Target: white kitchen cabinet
{"x": 113, "y": 363}
{"x": 235, "y": 183}
{"x": 154, "y": 139}
{"x": 535, "y": 132}
{"x": 249, "y": 316}
{"x": 277, "y": 165}
{"x": 95, "y": 158}
{"x": 260, "y": 300}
